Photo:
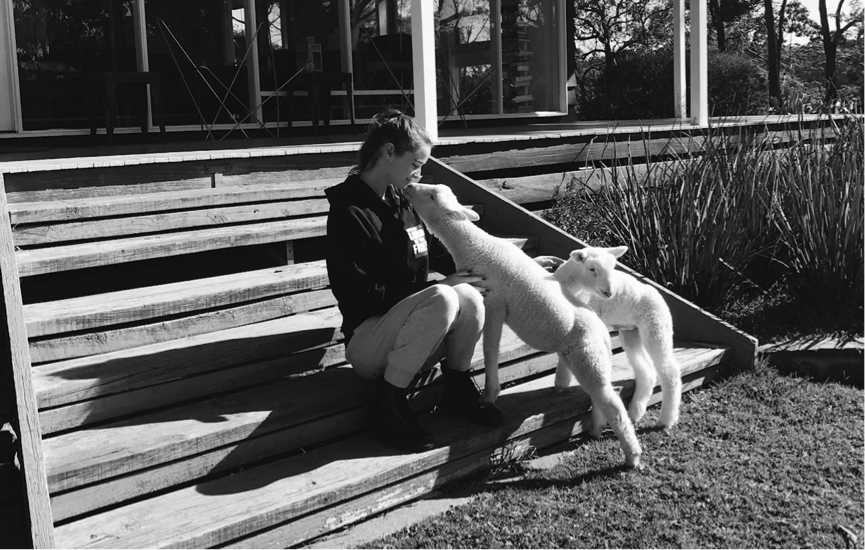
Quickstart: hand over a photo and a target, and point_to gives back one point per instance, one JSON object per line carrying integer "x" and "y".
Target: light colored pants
{"x": 414, "y": 335}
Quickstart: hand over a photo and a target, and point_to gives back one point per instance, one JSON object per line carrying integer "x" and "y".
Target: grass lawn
{"x": 760, "y": 460}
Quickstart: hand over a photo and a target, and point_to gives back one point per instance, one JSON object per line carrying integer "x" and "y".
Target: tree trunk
{"x": 831, "y": 74}
{"x": 718, "y": 24}
{"x": 773, "y": 54}
{"x": 830, "y": 48}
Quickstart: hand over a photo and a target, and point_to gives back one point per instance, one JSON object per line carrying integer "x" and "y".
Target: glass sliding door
{"x": 223, "y": 62}
{"x": 60, "y": 44}
{"x": 299, "y": 31}
{"x": 381, "y": 55}
{"x": 498, "y": 57}
{"x": 199, "y": 47}
{"x": 531, "y": 72}
{"x": 466, "y": 71}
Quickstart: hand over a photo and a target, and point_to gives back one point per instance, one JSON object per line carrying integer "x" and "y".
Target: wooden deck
{"x": 176, "y": 350}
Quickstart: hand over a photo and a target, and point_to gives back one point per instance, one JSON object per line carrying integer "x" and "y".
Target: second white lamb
{"x": 642, "y": 318}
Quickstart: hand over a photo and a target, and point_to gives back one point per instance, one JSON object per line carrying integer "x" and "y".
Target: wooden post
{"x": 252, "y": 78}
{"x": 142, "y": 60}
{"x": 680, "y": 103}
{"x": 561, "y": 42}
{"x": 10, "y": 100}
{"x": 699, "y": 64}
{"x": 423, "y": 60}
{"x": 345, "y": 55}
{"x": 496, "y": 23}
{"x": 16, "y": 355}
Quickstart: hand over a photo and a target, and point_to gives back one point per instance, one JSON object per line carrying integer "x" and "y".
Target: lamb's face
{"x": 595, "y": 267}
{"x": 434, "y": 201}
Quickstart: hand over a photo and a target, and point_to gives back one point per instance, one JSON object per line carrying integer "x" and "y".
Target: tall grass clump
{"x": 693, "y": 224}
{"x": 820, "y": 218}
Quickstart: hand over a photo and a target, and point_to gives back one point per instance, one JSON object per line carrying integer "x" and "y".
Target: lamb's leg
{"x": 659, "y": 344}
{"x": 644, "y": 373}
{"x": 593, "y": 371}
{"x": 563, "y": 374}
{"x": 492, "y": 339}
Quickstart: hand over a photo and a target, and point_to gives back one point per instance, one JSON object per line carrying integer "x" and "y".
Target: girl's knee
{"x": 443, "y": 300}
{"x": 469, "y": 296}
{"x": 471, "y": 304}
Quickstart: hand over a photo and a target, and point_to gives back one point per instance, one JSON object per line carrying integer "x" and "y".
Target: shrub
{"x": 820, "y": 217}
{"x": 693, "y": 225}
{"x": 739, "y": 212}
{"x": 737, "y": 85}
{"x": 638, "y": 86}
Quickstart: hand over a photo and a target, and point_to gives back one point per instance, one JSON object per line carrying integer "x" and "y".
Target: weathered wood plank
{"x": 137, "y": 204}
{"x": 337, "y": 422}
{"x": 112, "y": 228}
{"x": 143, "y": 400}
{"x": 84, "y": 378}
{"x": 522, "y": 364}
{"x": 127, "y": 306}
{"x": 107, "y": 341}
{"x": 333, "y": 518}
{"x": 574, "y": 153}
{"x": 15, "y": 356}
{"x": 542, "y": 188}
{"x": 83, "y": 457}
{"x": 80, "y": 256}
{"x": 227, "y": 509}
{"x": 180, "y": 172}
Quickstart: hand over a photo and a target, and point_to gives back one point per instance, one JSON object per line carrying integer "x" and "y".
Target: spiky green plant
{"x": 820, "y": 217}
{"x": 696, "y": 223}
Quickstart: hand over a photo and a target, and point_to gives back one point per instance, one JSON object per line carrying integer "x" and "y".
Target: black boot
{"x": 462, "y": 397}
{"x": 392, "y": 421}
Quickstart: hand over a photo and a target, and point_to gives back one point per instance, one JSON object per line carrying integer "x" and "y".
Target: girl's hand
{"x": 550, "y": 263}
{"x": 465, "y": 277}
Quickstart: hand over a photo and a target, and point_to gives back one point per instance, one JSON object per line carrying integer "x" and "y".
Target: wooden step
{"x": 253, "y": 500}
{"x": 156, "y": 434}
{"x": 130, "y": 249}
{"x": 74, "y": 209}
{"x": 139, "y": 304}
{"x": 126, "y": 226}
{"x": 248, "y": 425}
{"x": 84, "y": 378}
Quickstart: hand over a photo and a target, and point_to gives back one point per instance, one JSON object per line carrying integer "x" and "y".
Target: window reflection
{"x": 60, "y": 43}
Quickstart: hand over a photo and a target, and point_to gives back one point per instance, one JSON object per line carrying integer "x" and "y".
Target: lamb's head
{"x": 437, "y": 202}
{"x": 592, "y": 268}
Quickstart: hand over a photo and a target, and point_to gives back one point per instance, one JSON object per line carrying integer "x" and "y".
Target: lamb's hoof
{"x": 665, "y": 426}
{"x": 560, "y": 389}
{"x": 595, "y": 433}
{"x": 633, "y": 462}
{"x": 636, "y": 414}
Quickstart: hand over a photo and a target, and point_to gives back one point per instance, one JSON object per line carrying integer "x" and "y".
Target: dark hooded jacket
{"x": 378, "y": 251}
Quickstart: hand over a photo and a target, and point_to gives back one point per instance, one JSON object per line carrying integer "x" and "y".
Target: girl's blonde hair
{"x": 390, "y": 126}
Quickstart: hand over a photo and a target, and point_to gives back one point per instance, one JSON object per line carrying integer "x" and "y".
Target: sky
{"x": 831, "y": 5}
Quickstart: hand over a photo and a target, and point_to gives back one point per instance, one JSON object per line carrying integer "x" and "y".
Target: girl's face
{"x": 406, "y": 168}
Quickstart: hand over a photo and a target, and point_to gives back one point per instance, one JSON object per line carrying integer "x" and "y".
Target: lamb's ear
{"x": 471, "y": 215}
{"x": 579, "y": 255}
{"x": 618, "y": 251}
{"x": 457, "y": 215}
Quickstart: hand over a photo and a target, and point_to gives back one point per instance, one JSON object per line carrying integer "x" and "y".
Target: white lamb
{"x": 524, "y": 295}
{"x": 640, "y": 315}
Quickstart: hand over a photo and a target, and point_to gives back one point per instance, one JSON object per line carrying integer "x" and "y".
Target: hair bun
{"x": 388, "y": 115}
